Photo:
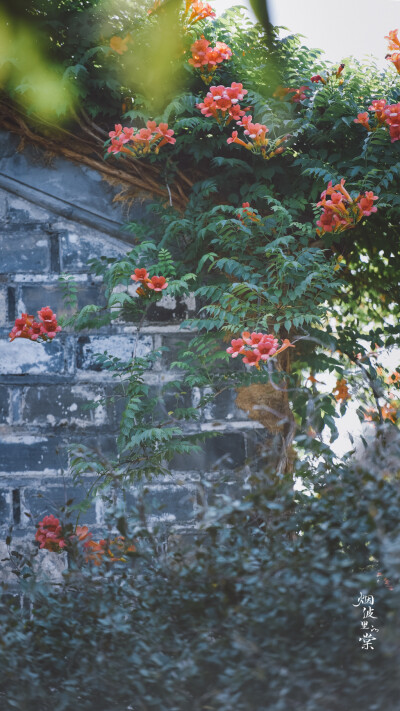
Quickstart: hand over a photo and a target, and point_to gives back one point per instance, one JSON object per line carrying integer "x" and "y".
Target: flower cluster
{"x": 389, "y": 411}
{"x": 49, "y": 534}
{"x": 148, "y": 284}
{"x": 157, "y": 5}
{"x": 256, "y": 133}
{"x": 195, "y": 11}
{"x": 341, "y": 391}
{"x": 340, "y": 211}
{"x": 248, "y": 213}
{"x": 119, "y": 44}
{"x": 386, "y": 581}
{"x": 43, "y": 330}
{"x": 207, "y": 58}
{"x": 109, "y": 550}
{"x": 330, "y": 77}
{"x": 222, "y": 103}
{"x": 256, "y": 347}
{"x": 138, "y": 142}
{"x": 394, "y": 44}
{"x": 295, "y": 95}
{"x": 385, "y": 115}
{"x": 393, "y": 378}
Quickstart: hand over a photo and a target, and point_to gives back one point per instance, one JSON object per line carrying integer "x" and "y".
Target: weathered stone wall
{"x": 44, "y": 387}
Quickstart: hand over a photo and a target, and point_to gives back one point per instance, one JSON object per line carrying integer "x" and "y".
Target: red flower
{"x": 199, "y": 11}
{"x": 341, "y": 391}
{"x": 379, "y": 108}
{"x": 27, "y": 327}
{"x": 22, "y": 327}
{"x": 235, "y": 139}
{"x": 395, "y": 59}
{"x": 393, "y": 40}
{"x": 366, "y": 203}
{"x": 281, "y": 92}
{"x": 203, "y": 55}
{"x": 119, "y": 44}
{"x": 250, "y": 214}
{"x": 236, "y": 347}
{"x": 298, "y": 94}
{"x": 222, "y": 103}
{"x": 386, "y": 580}
{"x": 166, "y": 134}
{"x": 158, "y": 283}
{"x": 317, "y": 78}
{"x": 98, "y": 551}
{"x": 251, "y": 358}
{"x": 363, "y": 119}
{"x": 341, "y": 212}
{"x": 140, "y": 275}
{"x": 49, "y": 534}
{"x": 257, "y": 134}
{"x": 49, "y": 327}
{"x": 252, "y": 339}
{"x": 389, "y": 412}
{"x": 267, "y": 347}
{"x": 46, "y": 314}
{"x": 263, "y": 346}
{"x": 236, "y": 113}
{"x": 117, "y": 132}
{"x": 392, "y": 119}
{"x": 140, "y": 141}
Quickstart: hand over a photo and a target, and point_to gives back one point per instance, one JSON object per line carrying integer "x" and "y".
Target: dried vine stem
{"x": 85, "y": 146}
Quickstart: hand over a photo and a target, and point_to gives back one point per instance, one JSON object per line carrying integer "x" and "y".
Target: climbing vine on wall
{"x": 284, "y": 228}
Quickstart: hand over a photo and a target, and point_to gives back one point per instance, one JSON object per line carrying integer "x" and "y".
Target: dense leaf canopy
{"x": 258, "y": 613}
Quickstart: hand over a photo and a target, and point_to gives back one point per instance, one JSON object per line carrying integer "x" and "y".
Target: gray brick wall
{"x": 44, "y": 387}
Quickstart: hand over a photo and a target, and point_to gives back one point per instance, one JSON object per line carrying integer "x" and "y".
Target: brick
{"x": 27, "y": 357}
{"x": 167, "y": 309}
{"x": 3, "y": 306}
{"x": 20, "y": 210}
{"x": 40, "y": 501}
{"x": 15, "y": 406}
{"x": 167, "y": 502}
{"x": 99, "y": 443}
{"x": 116, "y": 346}
{"x": 173, "y": 400}
{"x": 34, "y": 296}
{"x": 11, "y": 304}
{"x": 226, "y": 451}
{"x": 233, "y": 489}
{"x": 78, "y": 247}
{"x": 5, "y": 507}
{"x": 174, "y": 344}
{"x": 3, "y": 204}
{"x": 4, "y": 404}
{"x": 27, "y": 452}
{"x": 24, "y": 250}
{"x": 223, "y": 407}
{"x": 160, "y": 411}
{"x": 50, "y": 566}
{"x": 58, "y": 404}
{"x": 263, "y": 449}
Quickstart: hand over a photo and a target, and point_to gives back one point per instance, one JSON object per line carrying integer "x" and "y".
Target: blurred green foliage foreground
{"x": 256, "y": 609}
